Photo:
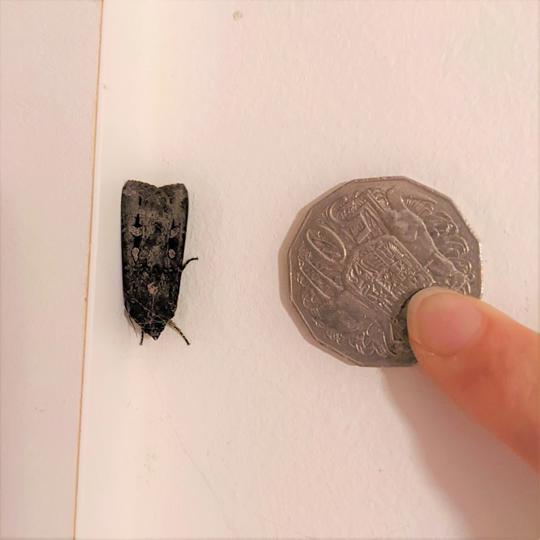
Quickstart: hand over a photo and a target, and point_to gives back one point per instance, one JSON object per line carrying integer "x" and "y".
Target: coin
{"x": 360, "y": 254}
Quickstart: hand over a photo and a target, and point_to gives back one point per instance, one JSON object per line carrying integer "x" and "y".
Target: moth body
{"x": 153, "y": 229}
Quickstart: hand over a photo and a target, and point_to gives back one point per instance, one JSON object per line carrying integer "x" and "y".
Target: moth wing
{"x": 133, "y": 195}
{"x": 179, "y": 204}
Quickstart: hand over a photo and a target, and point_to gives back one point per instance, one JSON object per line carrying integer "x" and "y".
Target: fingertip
{"x": 443, "y": 322}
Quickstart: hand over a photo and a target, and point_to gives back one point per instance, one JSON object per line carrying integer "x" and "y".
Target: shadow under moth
{"x": 154, "y": 222}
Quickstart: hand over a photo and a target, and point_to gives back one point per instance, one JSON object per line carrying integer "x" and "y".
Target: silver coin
{"x": 363, "y": 251}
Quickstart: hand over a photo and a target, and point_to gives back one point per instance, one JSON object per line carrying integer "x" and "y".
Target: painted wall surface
{"x": 259, "y": 108}
{"x": 48, "y": 63}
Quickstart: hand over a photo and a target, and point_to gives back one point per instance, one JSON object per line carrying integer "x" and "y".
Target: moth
{"x": 154, "y": 222}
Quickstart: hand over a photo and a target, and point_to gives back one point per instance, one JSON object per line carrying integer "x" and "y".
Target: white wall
{"x": 259, "y": 108}
{"x": 48, "y": 69}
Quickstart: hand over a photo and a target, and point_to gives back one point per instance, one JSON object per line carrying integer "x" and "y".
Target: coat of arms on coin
{"x": 363, "y": 251}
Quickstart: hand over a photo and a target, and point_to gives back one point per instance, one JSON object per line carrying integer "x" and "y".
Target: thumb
{"x": 486, "y": 362}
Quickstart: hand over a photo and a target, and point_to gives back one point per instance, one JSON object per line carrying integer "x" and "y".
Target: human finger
{"x": 486, "y": 362}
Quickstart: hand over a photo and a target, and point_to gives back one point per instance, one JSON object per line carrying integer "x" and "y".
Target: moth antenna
{"x": 142, "y": 337}
{"x": 188, "y": 261}
{"x": 172, "y": 325}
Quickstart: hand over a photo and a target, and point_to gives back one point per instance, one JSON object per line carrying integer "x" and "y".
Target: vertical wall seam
{"x": 88, "y": 269}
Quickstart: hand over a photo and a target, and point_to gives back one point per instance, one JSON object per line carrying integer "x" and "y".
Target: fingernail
{"x": 444, "y": 322}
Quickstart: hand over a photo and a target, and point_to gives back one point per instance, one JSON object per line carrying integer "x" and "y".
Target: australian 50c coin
{"x": 363, "y": 251}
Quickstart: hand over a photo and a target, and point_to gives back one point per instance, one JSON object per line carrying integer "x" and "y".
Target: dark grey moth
{"x": 154, "y": 222}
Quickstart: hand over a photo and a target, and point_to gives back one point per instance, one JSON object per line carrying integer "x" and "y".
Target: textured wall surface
{"x": 259, "y": 108}
{"x": 48, "y": 63}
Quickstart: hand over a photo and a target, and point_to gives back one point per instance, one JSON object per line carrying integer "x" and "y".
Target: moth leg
{"x": 142, "y": 337}
{"x": 131, "y": 321}
{"x": 188, "y": 261}
{"x": 172, "y": 325}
